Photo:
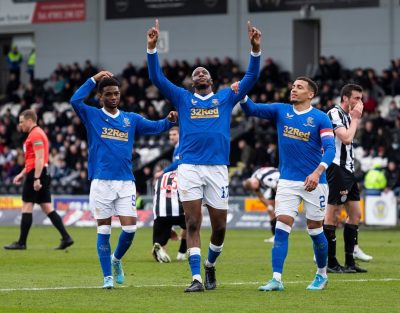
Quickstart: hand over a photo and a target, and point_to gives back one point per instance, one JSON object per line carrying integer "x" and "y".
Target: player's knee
{"x": 219, "y": 232}
{"x": 354, "y": 218}
{"x": 192, "y": 225}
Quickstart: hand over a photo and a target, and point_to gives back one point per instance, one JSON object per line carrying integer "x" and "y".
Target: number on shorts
{"x": 225, "y": 192}
{"x": 133, "y": 201}
{"x": 322, "y": 201}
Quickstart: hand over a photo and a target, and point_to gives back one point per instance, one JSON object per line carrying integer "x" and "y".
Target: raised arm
{"x": 84, "y": 90}
{"x": 253, "y": 70}
{"x": 168, "y": 89}
{"x": 346, "y": 135}
{"x": 267, "y": 111}
{"x": 147, "y": 127}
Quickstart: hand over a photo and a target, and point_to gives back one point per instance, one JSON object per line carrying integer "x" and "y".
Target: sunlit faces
{"x": 174, "y": 136}
{"x": 201, "y": 78}
{"x": 301, "y": 92}
{"x": 25, "y": 124}
{"x": 351, "y": 101}
{"x": 110, "y": 96}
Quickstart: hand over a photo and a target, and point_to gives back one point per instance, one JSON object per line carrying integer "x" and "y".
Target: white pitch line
{"x": 180, "y": 285}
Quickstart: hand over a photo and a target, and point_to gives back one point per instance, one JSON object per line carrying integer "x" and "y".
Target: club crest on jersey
{"x": 310, "y": 122}
{"x": 215, "y": 102}
{"x": 127, "y": 123}
{"x": 289, "y": 116}
{"x": 194, "y": 102}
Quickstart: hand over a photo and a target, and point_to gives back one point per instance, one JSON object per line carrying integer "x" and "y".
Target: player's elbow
{"x": 346, "y": 141}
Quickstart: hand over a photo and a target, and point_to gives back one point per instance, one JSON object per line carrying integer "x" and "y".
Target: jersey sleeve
{"x": 169, "y": 90}
{"x": 328, "y": 140}
{"x": 172, "y": 167}
{"x": 147, "y": 127}
{"x": 77, "y": 99}
{"x": 267, "y": 111}
{"x": 37, "y": 141}
{"x": 249, "y": 79}
{"x": 335, "y": 118}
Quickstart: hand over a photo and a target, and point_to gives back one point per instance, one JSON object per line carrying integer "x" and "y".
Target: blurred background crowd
{"x": 253, "y": 140}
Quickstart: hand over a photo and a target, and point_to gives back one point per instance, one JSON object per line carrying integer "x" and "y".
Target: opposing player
{"x": 168, "y": 212}
{"x": 173, "y": 166}
{"x": 264, "y": 183}
{"x": 303, "y": 132}
{"x": 343, "y": 188}
{"x": 204, "y": 149}
{"x": 111, "y": 135}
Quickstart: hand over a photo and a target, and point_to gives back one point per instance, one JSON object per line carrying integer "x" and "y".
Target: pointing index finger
{"x": 157, "y": 25}
{"x": 249, "y": 27}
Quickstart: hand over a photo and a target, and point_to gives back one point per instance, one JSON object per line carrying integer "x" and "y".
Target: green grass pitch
{"x": 41, "y": 279}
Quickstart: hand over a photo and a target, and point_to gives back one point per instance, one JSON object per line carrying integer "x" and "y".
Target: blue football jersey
{"x": 111, "y": 137}
{"x": 305, "y": 139}
{"x": 204, "y": 121}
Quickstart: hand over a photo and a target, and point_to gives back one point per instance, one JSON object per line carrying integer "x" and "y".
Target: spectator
{"x": 392, "y": 174}
{"x": 14, "y": 60}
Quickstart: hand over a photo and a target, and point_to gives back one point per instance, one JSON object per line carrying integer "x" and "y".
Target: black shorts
{"x": 162, "y": 228}
{"x": 43, "y": 195}
{"x": 342, "y": 185}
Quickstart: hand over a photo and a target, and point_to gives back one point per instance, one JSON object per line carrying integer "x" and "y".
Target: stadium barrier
{"x": 245, "y": 212}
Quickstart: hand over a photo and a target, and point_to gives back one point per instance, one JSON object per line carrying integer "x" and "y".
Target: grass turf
{"x": 41, "y": 279}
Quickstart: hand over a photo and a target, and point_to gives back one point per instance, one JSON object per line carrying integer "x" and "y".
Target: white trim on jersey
{"x": 204, "y": 97}
{"x": 344, "y": 156}
{"x": 166, "y": 199}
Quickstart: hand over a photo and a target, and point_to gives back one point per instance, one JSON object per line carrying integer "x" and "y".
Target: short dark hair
{"x": 29, "y": 115}
{"x": 348, "y": 89}
{"x": 312, "y": 84}
{"x": 108, "y": 81}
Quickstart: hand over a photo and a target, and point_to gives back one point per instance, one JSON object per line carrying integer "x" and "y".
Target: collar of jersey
{"x": 109, "y": 114}
{"x": 302, "y": 112}
{"x": 339, "y": 107}
{"x": 204, "y": 97}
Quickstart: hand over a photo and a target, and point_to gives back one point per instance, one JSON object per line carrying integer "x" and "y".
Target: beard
{"x": 204, "y": 85}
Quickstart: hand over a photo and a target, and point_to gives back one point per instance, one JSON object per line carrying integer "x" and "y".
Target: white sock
{"x": 322, "y": 272}
{"x": 277, "y": 276}
{"x": 197, "y": 277}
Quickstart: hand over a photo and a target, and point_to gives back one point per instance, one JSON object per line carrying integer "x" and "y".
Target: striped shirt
{"x": 344, "y": 156}
{"x": 166, "y": 200}
{"x": 268, "y": 178}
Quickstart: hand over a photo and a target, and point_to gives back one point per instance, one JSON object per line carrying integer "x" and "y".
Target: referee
{"x": 343, "y": 189}
{"x": 168, "y": 212}
{"x": 36, "y": 188}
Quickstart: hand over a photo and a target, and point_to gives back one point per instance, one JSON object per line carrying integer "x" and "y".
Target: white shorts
{"x": 112, "y": 197}
{"x": 290, "y": 193}
{"x": 207, "y": 182}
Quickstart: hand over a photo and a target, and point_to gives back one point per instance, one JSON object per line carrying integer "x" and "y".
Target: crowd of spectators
{"x": 254, "y": 146}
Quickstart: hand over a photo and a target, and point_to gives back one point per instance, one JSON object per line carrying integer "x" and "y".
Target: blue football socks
{"x": 104, "y": 252}
{"x": 124, "y": 242}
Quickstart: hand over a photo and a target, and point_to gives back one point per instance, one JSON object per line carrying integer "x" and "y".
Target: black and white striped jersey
{"x": 344, "y": 156}
{"x": 166, "y": 199}
{"x": 268, "y": 178}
